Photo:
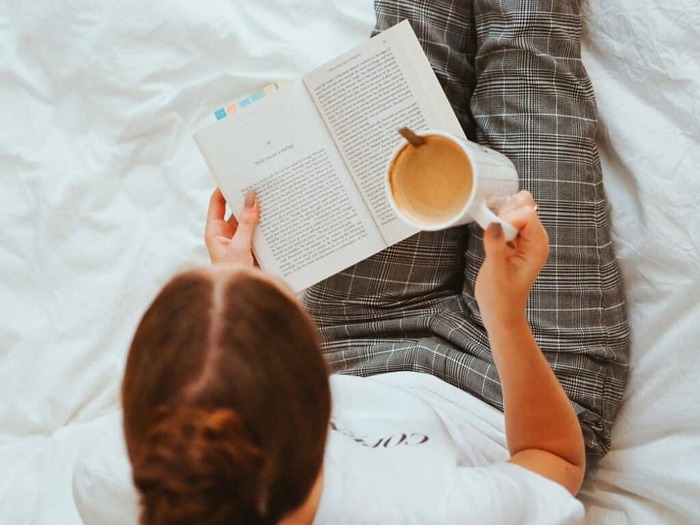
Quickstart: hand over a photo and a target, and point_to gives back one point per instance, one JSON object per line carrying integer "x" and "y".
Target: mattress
{"x": 104, "y": 197}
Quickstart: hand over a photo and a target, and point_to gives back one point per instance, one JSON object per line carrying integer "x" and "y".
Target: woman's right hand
{"x": 510, "y": 269}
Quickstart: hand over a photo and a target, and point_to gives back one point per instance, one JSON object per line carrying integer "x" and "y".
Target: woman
{"x": 459, "y": 308}
{"x": 227, "y": 404}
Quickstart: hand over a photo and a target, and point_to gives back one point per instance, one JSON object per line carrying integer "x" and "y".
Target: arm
{"x": 542, "y": 430}
{"x": 227, "y": 240}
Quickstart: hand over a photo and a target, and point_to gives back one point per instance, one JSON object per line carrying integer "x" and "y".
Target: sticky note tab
{"x": 234, "y": 106}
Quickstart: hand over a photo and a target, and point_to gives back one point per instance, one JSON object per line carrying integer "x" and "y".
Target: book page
{"x": 313, "y": 221}
{"x": 365, "y": 96}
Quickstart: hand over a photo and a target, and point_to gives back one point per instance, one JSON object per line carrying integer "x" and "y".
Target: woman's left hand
{"x": 227, "y": 240}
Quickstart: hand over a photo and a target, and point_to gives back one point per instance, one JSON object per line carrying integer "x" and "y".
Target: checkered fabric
{"x": 512, "y": 71}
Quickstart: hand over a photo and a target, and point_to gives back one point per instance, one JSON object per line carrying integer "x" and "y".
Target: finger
{"x": 521, "y": 217}
{"x": 524, "y": 198}
{"x": 532, "y": 239}
{"x": 518, "y": 210}
{"x": 529, "y": 226}
{"x": 495, "y": 244}
{"x": 217, "y": 206}
{"x": 247, "y": 222}
{"x": 233, "y": 222}
{"x": 520, "y": 199}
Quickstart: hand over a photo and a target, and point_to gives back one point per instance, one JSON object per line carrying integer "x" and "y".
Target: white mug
{"x": 494, "y": 179}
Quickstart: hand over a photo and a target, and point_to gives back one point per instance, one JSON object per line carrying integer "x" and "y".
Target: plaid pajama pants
{"x": 512, "y": 72}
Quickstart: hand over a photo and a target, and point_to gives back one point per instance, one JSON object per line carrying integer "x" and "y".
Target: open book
{"x": 316, "y": 153}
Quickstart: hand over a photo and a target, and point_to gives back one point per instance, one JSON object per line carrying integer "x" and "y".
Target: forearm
{"x": 538, "y": 413}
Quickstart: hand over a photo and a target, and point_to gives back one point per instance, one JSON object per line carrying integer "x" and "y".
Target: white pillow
{"x": 103, "y": 491}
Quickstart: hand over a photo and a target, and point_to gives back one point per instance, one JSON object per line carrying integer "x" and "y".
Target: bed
{"x": 104, "y": 194}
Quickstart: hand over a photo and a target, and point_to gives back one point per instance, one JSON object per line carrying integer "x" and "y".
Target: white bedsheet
{"x": 103, "y": 196}
{"x": 644, "y": 60}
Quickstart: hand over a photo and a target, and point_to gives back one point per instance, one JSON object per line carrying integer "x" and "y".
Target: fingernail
{"x": 495, "y": 230}
{"x": 249, "y": 199}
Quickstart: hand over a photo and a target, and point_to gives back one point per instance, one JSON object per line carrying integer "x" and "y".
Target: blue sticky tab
{"x": 220, "y": 113}
{"x": 244, "y": 102}
{"x": 256, "y": 96}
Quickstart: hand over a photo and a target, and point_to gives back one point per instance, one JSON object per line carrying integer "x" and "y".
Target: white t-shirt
{"x": 408, "y": 448}
{"x": 403, "y": 448}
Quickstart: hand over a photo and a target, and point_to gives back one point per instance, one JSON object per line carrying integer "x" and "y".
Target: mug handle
{"x": 484, "y": 216}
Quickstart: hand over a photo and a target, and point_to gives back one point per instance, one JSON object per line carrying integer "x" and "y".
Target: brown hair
{"x": 226, "y": 402}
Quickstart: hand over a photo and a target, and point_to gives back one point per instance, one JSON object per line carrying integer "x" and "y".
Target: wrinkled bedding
{"x": 104, "y": 194}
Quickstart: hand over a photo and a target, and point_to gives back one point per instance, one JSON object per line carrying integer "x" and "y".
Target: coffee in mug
{"x": 448, "y": 181}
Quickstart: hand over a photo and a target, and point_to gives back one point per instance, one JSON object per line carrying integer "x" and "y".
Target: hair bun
{"x": 196, "y": 464}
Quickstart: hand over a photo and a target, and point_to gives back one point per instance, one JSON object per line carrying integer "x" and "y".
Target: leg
{"x": 445, "y": 29}
{"x": 534, "y": 102}
{"x": 399, "y": 309}
{"x": 391, "y": 298}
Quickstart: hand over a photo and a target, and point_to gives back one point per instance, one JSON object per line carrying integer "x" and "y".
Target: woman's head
{"x": 226, "y": 401}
